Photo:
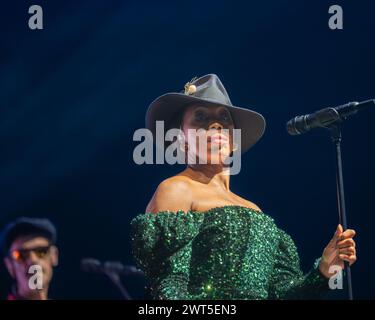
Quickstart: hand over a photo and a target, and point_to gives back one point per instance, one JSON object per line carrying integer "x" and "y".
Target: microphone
{"x": 91, "y": 265}
{"x": 95, "y": 266}
{"x": 325, "y": 117}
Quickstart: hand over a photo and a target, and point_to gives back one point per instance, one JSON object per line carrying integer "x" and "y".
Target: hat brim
{"x": 167, "y": 106}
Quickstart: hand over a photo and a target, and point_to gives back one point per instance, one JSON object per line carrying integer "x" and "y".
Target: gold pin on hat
{"x": 189, "y": 87}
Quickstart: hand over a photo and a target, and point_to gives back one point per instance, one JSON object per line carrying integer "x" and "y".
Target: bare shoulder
{"x": 248, "y": 203}
{"x": 172, "y": 194}
{"x": 174, "y": 186}
{"x": 252, "y": 205}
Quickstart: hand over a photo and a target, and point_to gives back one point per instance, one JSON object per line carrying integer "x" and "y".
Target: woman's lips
{"x": 218, "y": 138}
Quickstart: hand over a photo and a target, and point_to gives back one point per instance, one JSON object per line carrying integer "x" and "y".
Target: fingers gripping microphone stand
{"x": 335, "y": 130}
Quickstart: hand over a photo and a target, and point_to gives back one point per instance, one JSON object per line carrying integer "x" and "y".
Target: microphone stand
{"x": 115, "y": 278}
{"x": 336, "y": 139}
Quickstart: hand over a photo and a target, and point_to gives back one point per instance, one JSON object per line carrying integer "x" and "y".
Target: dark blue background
{"x": 72, "y": 95}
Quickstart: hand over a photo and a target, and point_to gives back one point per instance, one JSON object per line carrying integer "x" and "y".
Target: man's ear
{"x": 9, "y": 266}
{"x": 54, "y": 256}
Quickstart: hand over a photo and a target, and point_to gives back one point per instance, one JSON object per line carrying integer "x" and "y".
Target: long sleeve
{"x": 173, "y": 284}
{"x": 161, "y": 247}
{"x": 175, "y": 287}
{"x": 288, "y": 280}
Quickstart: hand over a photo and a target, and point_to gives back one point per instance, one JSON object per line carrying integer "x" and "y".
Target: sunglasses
{"x": 23, "y": 254}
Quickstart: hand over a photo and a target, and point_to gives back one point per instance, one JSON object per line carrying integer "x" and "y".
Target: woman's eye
{"x": 200, "y": 116}
{"x": 225, "y": 116}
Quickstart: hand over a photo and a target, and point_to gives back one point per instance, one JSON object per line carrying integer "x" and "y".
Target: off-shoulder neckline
{"x": 209, "y": 210}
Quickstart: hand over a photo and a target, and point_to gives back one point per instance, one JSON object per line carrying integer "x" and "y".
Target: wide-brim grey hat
{"x": 206, "y": 90}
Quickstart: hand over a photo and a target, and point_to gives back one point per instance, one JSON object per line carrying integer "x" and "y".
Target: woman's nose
{"x": 215, "y": 126}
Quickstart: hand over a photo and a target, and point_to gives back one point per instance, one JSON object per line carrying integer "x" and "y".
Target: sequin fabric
{"x": 230, "y": 252}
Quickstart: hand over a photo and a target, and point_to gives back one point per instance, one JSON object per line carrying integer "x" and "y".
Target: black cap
{"x": 25, "y": 226}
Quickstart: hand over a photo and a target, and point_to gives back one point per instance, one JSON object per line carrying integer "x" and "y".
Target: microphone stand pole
{"x": 115, "y": 278}
{"x": 336, "y": 138}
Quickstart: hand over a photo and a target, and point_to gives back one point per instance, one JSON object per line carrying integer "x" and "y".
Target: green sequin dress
{"x": 229, "y": 252}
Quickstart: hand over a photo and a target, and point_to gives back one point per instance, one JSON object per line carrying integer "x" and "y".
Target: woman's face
{"x": 212, "y": 125}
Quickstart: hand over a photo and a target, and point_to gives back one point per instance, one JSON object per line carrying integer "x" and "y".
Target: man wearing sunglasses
{"x": 30, "y": 254}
